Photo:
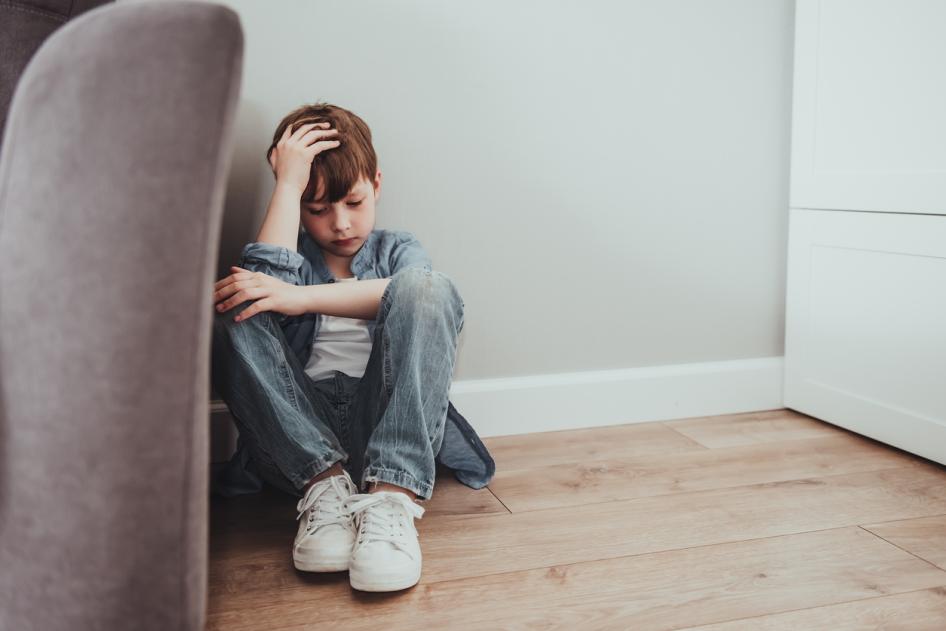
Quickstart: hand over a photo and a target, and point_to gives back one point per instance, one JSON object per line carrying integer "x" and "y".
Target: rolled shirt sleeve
{"x": 408, "y": 252}
{"x": 274, "y": 260}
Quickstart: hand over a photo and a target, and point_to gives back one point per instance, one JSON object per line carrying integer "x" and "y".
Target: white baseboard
{"x": 542, "y": 403}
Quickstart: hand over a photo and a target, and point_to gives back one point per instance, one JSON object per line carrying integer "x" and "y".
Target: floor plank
{"x": 924, "y": 537}
{"x": 456, "y": 547}
{"x": 525, "y": 451}
{"x": 663, "y": 590}
{"x": 609, "y": 480}
{"x": 752, "y": 428}
{"x": 923, "y": 610}
{"x": 769, "y": 520}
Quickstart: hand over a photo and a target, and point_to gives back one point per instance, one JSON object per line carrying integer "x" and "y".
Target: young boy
{"x": 334, "y": 347}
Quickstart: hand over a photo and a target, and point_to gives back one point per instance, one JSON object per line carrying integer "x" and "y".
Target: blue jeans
{"x": 386, "y": 426}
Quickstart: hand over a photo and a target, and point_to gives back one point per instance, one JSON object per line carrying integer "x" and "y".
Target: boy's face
{"x": 350, "y": 218}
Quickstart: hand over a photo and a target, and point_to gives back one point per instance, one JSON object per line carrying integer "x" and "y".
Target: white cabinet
{"x": 865, "y": 325}
{"x": 869, "y": 106}
{"x": 865, "y": 339}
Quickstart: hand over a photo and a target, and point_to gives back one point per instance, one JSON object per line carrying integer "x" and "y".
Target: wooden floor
{"x": 761, "y": 521}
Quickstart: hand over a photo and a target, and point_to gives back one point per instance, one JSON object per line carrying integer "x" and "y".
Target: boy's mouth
{"x": 345, "y": 241}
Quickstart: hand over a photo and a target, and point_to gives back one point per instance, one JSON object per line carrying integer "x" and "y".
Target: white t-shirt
{"x": 341, "y": 344}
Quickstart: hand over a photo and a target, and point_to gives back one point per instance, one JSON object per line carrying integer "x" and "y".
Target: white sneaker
{"x": 386, "y": 556}
{"x": 325, "y": 538}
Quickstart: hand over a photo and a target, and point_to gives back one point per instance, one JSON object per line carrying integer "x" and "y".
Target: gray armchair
{"x": 24, "y": 25}
{"x": 112, "y": 175}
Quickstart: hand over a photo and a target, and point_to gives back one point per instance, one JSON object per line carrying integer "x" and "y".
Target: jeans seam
{"x": 289, "y": 386}
{"x": 386, "y": 371}
{"x": 285, "y": 372}
{"x": 404, "y": 479}
{"x": 344, "y": 426}
{"x": 441, "y": 421}
{"x": 321, "y": 464}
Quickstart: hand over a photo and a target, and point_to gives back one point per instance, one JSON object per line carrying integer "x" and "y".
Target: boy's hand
{"x": 270, "y": 294}
{"x": 291, "y": 158}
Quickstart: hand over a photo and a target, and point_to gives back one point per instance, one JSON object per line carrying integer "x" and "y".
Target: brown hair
{"x": 339, "y": 167}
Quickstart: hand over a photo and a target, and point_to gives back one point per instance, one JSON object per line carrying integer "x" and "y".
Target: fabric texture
{"x": 384, "y": 254}
{"x": 386, "y": 426}
{"x": 113, "y": 171}
{"x": 24, "y": 26}
{"x": 343, "y": 344}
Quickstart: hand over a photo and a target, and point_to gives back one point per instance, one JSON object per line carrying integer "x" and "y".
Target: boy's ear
{"x": 377, "y": 184}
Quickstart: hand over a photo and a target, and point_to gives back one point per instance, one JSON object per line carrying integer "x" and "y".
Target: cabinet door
{"x": 865, "y": 326}
{"x": 869, "y": 106}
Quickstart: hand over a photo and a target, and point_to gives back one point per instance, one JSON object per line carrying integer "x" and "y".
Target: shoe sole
{"x": 386, "y": 585}
{"x": 322, "y": 565}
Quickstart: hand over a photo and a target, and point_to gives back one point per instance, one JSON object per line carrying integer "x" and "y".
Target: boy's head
{"x": 344, "y": 181}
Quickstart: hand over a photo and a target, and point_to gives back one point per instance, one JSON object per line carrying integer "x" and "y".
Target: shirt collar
{"x": 362, "y": 262}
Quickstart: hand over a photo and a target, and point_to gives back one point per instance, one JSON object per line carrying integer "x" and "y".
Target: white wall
{"x": 606, "y": 181}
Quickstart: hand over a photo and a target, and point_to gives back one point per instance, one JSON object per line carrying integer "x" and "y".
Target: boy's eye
{"x": 318, "y": 211}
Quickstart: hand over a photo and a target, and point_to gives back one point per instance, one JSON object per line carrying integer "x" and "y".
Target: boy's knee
{"x": 224, "y": 321}
{"x": 416, "y": 284}
{"x": 448, "y": 290}
{"x": 221, "y": 320}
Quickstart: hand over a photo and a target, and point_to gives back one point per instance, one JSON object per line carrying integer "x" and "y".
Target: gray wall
{"x": 607, "y": 182}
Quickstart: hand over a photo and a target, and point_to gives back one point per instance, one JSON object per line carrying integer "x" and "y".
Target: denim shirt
{"x": 383, "y": 253}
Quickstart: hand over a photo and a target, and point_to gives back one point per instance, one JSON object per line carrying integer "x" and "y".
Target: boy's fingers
{"x": 303, "y": 129}
{"x": 248, "y": 312}
{"x": 323, "y": 145}
{"x": 312, "y": 134}
{"x": 223, "y": 293}
{"x": 223, "y": 282}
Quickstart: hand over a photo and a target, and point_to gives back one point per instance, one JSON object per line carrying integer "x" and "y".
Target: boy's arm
{"x": 360, "y": 299}
{"x": 291, "y": 160}
{"x": 281, "y": 224}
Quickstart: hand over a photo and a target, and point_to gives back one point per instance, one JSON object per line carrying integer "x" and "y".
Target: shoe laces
{"x": 383, "y": 516}
{"x": 324, "y": 502}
